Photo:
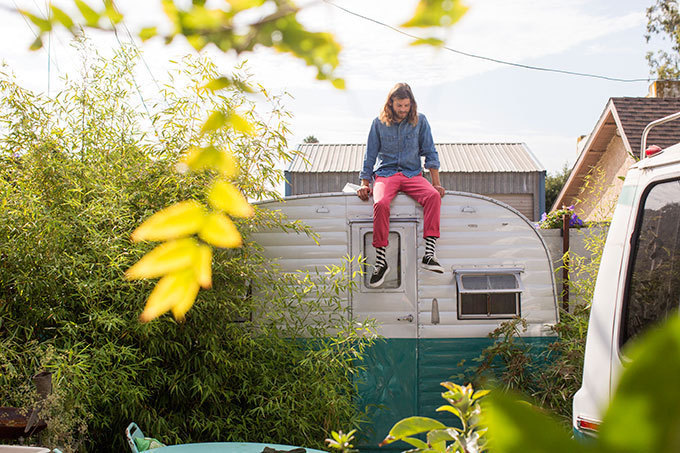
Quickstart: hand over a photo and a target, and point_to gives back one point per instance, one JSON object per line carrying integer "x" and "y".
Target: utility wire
{"x": 141, "y": 55}
{"x": 494, "y": 60}
{"x": 134, "y": 79}
{"x": 28, "y": 24}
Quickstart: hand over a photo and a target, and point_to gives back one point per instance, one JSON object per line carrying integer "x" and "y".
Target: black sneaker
{"x": 431, "y": 264}
{"x": 378, "y": 276}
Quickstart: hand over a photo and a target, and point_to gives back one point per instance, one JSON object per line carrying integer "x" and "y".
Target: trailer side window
{"x": 393, "y": 257}
{"x": 488, "y": 295}
{"x": 653, "y": 286}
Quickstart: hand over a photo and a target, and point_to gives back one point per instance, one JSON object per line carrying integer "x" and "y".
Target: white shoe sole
{"x": 381, "y": 281}
{"x": 430, "y": 267}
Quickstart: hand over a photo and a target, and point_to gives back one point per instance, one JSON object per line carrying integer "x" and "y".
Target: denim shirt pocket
{"x": 411, "y": 140}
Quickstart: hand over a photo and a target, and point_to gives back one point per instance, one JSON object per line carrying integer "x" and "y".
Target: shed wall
{"x": 522, "y": 191}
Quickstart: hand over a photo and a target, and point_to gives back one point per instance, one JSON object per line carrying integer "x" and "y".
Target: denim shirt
{"x": 399, "y": 148}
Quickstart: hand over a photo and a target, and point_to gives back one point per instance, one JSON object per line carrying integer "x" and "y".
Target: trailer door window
{"x": 483, "y": 295}
{"x": 653, "y": 286}
{"x": 393, "y": 257}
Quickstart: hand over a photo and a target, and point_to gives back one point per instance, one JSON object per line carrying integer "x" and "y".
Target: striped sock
{"x": 430, "y": 243}
{"x": 380, "y": 257}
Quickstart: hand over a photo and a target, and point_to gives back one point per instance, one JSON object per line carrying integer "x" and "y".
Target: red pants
{"x": 418, "y": 188}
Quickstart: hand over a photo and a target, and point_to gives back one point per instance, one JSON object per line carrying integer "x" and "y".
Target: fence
{"x": 578, "y": 239}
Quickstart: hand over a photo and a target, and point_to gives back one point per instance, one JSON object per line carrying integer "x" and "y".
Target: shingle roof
{"x": 453, "y": 157}
{"x": 636, "y": 113}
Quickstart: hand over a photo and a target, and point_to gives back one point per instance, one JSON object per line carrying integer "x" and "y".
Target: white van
{"x": 639, "y": 279}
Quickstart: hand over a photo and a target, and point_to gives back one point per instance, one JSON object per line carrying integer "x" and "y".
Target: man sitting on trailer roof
{"x": 398, "y": 139}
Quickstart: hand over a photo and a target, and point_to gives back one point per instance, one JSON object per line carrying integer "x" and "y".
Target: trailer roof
{"x": 454, "y": 158}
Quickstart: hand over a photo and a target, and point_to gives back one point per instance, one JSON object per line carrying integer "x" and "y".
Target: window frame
{"x": 461, "y": 291}
{"x": 368, "y": 268}
{"x": 623, "y": 337}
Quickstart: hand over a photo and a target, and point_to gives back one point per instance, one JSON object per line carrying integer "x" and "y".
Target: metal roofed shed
{"x": 508, "y": 172}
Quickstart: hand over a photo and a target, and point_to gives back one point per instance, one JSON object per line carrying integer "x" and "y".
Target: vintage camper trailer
{"x": 497, "y": 267}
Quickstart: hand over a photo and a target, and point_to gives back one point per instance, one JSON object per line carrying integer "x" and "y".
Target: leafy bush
{"x": 554, "y": 219}
{"x": 643, "y": 414}
{"x": 78, "y": 173}
{"x": 464, "y": 403}
{"x": 554, "y": 183}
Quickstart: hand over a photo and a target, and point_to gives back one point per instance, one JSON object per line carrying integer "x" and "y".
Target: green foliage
{"x": 464, "y": 403}
{"x": 342, "y": 442}
{"x": 555, "y": 219}
{"x": 225, "y": 28}
{"x": 78, "y": 172}
{"x": 643, "y": 416}
{"x": 553, "y": 185}
{"x": 663, "y": 19}
{"x": 311, "y": 139}
{"x": 231, "y": 28}
{"x": 516, "y": 426}
{"x": 436, "y": 13}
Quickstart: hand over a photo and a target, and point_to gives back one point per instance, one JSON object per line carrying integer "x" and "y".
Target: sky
{"x": 465, "y": 99}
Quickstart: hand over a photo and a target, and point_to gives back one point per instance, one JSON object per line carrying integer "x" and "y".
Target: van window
{"x": 488, "y": 295}
{"x": 393, "y": 257}
{"x": 653, "y": 286}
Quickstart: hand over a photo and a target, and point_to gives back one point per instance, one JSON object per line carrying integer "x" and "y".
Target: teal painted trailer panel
{"x": 402, "y": 377}
{"x": 387, "y": 387}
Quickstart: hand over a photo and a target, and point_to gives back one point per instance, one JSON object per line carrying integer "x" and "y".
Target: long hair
{"x": 400, "y": 91}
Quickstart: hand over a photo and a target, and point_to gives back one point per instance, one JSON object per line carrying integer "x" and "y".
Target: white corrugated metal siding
{"x": 475, "y": 232}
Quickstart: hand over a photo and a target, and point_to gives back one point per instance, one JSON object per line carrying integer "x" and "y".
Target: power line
{"x": 23, "y": 17}
{"x": 141, "y": 55}
{"x": 134, "y": 80}
{"x": 50, "y": 58}
{"x": 493, "y": 60}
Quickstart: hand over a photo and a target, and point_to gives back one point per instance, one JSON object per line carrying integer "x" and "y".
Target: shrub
{"x": 78, "y": 173}
{"x": 554, "y": 219}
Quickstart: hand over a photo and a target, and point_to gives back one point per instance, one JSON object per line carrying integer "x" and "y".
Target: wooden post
{"x": 565, "y": 262}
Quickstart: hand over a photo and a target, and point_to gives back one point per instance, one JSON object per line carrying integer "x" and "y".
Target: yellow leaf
{"x": 111, "y": 12}
{"x": 63, "y": 18}
{"x": 228, "y": 198}
{"x": 210, "y": 157}
{"x": 239, "y": 5}
{"x": 148, "y": 33}
{"x": 338, "y": 83}
{"x": 181, "y": 219}
{"x": 178, "y": 289}
{"x": 215, "y": 121}
{"x": 436, "y": 13}
{"x": 90, "y": 15}
{"x": 43, "y": 24}
{"x": 36, "y": 44}
{"x": 225, "y": 82}
{"x": 186, "y": 301}
{"x": 220, "y": 231}
{"x": 171, "y": 11}
{"x": 435, "y": 42}
{"x": 240, "y": 124}
{"x": 204, "y": 266}
{"x": 166, "y": 258}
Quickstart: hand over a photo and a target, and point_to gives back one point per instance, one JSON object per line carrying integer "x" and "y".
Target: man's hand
{"x": 363, "y": 192}
{"x": 441, "y": 190}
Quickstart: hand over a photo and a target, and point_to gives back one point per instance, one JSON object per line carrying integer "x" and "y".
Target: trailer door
{"x": 388, "y": 384}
